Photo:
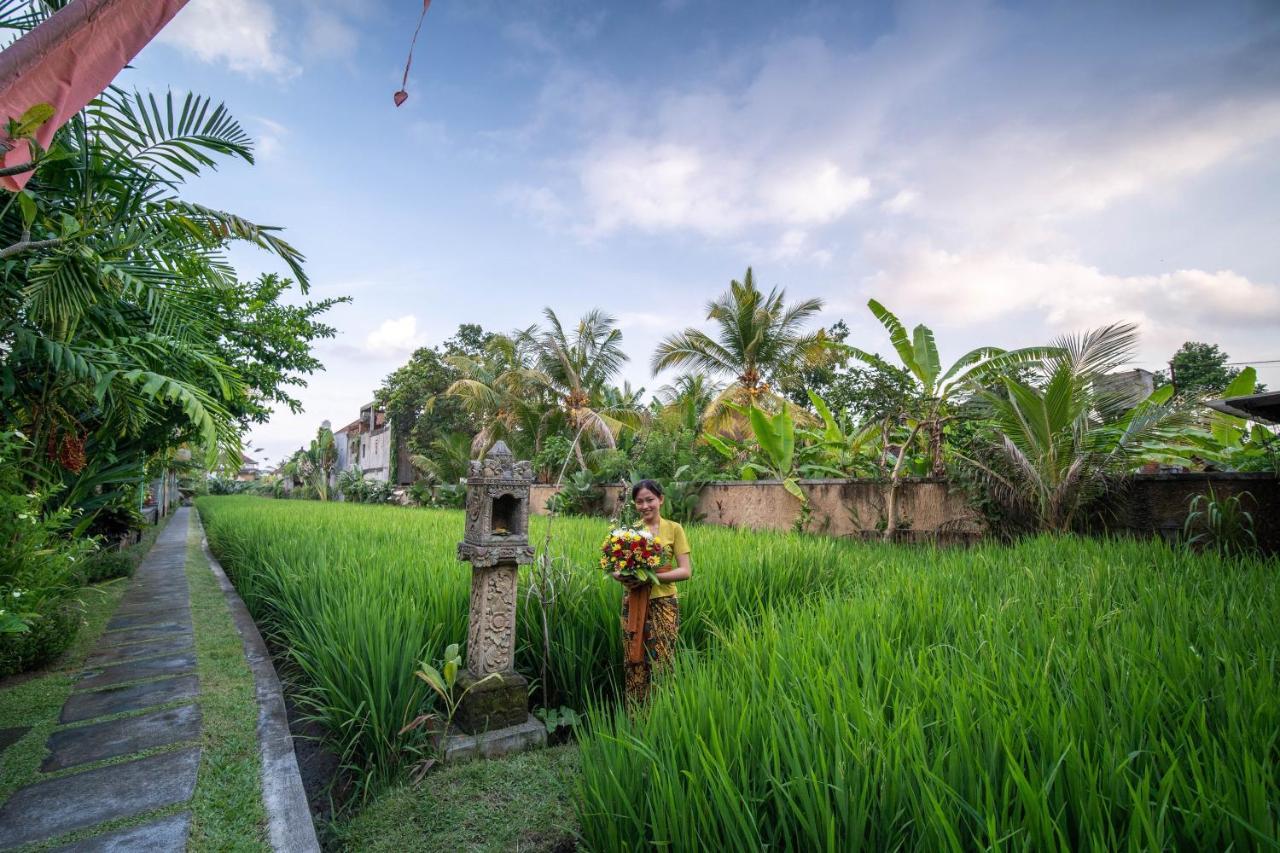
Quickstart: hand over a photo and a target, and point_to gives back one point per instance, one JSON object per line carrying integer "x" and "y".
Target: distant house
{"x": 1133, "y": 386}
{"x": 248, "y": 469}
{"x": 347, "y": 441}
{"x": 365, "y": 445}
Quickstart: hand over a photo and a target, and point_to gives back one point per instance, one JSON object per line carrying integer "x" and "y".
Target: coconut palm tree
{"x": 1054, "y": 448}
{"x": 687, "y": 398}
{"x": 491, "y": 388}
{"x": 577, "y": 367}
{"x": 758, "y": 340}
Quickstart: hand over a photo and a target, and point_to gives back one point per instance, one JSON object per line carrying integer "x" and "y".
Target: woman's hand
{"x": 629, "y": 581}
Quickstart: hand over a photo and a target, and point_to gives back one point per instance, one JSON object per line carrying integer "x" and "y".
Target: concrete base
{"x": 458, "y": 746}
{"x": 494, "y": 702}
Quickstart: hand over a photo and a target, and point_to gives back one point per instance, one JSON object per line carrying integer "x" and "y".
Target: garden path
{"x": 124, "y": 757}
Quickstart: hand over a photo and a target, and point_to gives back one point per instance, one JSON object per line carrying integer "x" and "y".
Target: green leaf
{"x": 32, "y": 119}
{"x": 451, "y": 672}
{"x": 769, "y": 441}
{"x": 27, "y": 202}
{"x": 897, "y": 336}
{"x": 747, "y": 473}
{"x": 451, "y": 651}
{"x": 793, "y": 489}
{"x": 1243, "y": 384}
{"x": 719, "y": 446}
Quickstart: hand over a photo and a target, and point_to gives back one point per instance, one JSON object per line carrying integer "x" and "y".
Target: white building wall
{"x": 375, "y": 454}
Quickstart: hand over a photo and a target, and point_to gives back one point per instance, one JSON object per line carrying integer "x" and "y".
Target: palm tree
{"x": 578, "y": 367}
{"x": 1055, "y": 448}
{"x": 758, "y": 341}
{"x": 935, "y": 391}
{"x": 449, "y": 461}
{"x": 687, "y": 398}
{"x": 491, "y": 388}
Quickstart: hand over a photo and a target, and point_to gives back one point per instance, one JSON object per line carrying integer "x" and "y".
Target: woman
{"x": 651, "y": 612}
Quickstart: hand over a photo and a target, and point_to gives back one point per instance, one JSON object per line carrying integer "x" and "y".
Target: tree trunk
{"x": 891, "y": 500}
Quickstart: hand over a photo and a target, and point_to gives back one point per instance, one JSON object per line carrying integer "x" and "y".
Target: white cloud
{"x": 395, "y": 338}
{"x": 996, "y": 286}
{"x": 541, "y": 202}
{"x": 240, "y": 33}
{"x": 327, "y": 36}
{"x": 797, "y": 132}
{"x": 901, "y": 202}
{"x": 270, "y": 138}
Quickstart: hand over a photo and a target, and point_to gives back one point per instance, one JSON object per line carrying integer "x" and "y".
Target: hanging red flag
{"x": 401, "y": 96}
{"x": 68, "y": 61}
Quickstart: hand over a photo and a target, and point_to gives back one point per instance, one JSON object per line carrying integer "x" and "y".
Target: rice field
{"x": 1057, "y": 694}
{"x": 358, "y": 594}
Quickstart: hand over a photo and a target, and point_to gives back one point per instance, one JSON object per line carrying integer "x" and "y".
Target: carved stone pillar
{"x": 496, "y": 542}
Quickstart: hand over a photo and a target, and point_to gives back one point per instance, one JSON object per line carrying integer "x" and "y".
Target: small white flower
{"x": 17, "y": 593}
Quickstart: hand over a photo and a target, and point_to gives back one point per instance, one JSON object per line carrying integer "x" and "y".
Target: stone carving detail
{"x": 491, "y": 637}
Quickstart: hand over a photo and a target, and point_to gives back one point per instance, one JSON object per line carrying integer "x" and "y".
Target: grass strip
{"x": 36, "y": 698}
{"x": 227, "y": 811}
{"x": 524, "y": 802}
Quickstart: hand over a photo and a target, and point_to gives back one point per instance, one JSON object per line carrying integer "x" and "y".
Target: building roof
{"x": 1254, "y": 407}
{"x": 354, "y": 426}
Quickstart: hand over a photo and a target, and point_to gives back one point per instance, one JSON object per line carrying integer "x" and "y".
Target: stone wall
{"x": 929, "y": 510}
{"x": 1158, "y": 503}
{"x": 840, "y": 507}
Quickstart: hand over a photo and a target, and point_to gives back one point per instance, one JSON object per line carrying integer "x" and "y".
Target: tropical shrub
{"x": 39, "y": 571}
{"x": 1052, "y": 450}
{"x": 106, "y": 565}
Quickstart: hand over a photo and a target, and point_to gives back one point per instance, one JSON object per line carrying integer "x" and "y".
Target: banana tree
{"x": 775, "y": 439}
{"x": 1216, "y": 440}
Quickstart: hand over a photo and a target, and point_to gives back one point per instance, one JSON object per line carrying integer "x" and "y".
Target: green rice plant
{"x": 356, "y": 595}
{"x": 1060, "y": 694}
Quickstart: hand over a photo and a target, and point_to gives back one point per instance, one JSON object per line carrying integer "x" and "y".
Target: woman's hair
{"x": 649, "y": 485}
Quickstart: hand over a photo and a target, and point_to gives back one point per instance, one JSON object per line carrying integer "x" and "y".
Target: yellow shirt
{"x": 670, "y": 534}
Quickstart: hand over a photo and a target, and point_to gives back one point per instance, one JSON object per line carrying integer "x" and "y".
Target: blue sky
{"x": 1001, "y": 172}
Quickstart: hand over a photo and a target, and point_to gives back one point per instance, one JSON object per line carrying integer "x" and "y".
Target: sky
{"x": 1002, "y": 172}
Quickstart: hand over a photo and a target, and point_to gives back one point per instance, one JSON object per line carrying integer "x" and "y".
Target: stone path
{"x": 138, "y": 694}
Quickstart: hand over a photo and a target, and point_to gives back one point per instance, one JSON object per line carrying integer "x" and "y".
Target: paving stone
{"x": 171, "y": 665}
{"x": 151, "y": 648}
{"x": 8, "y": 737}
{"x": 134, "y": 697}
{"x": 159, "y": 836}
{"x": 149, "y": 618}
{"x": 97, "y": 741}
{"x": 139, "y": 635}
{"x": 151, "y": 603}
{"x": 55, "y": 807}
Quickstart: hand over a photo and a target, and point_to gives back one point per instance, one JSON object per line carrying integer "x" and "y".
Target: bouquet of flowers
{"x": 632, "y": 553}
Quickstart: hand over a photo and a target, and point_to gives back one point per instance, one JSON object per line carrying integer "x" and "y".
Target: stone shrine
{"x": 496, "y": 543}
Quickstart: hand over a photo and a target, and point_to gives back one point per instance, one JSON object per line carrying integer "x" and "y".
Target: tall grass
{"x": 359, "y": 594}
{"x": 1061, "y": 694}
